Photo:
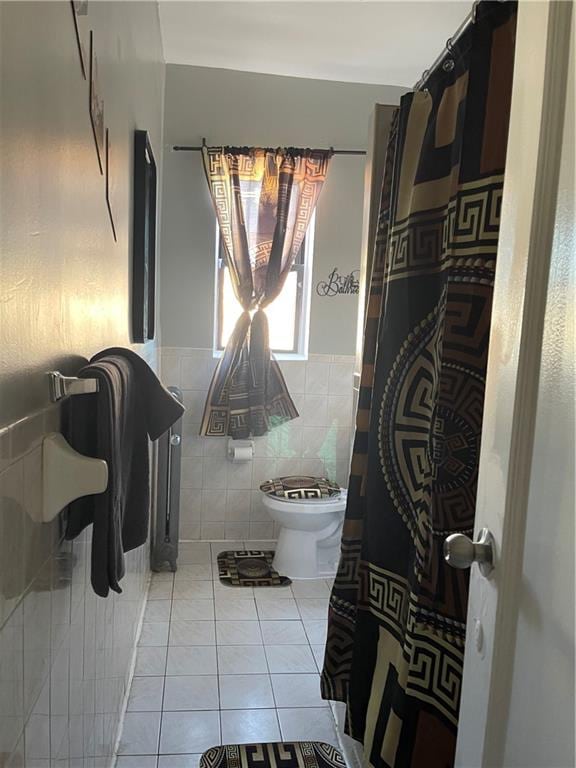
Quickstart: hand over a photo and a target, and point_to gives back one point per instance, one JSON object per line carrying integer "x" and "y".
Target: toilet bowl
{"x": 309, "y": 536}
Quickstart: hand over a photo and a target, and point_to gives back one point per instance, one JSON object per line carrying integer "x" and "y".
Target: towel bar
{"x": 63, "y": 386}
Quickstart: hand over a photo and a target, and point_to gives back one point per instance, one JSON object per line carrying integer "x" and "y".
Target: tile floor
{"x": 219, "y": 664}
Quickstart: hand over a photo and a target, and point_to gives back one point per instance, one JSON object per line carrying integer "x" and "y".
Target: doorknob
{"x": 461, "y": 552}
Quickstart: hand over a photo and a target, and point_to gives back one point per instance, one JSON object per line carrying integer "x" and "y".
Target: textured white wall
{"x": 64, "y": 282}
{"x": 65, "y": 654}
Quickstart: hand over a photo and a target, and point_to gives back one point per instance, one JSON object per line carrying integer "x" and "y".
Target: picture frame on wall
{"x": 144, "y": 240}
{"x": 80, "y": 16}
{"x": 109, "y": 184}
{"x": 96, "y": 106}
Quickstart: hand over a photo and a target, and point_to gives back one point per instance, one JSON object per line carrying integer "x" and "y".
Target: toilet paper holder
{"x": 240, "y": 450}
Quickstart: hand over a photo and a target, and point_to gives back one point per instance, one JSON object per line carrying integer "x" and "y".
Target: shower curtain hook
{"x": 474, "y": 10}
{"x": 448, "y": 64}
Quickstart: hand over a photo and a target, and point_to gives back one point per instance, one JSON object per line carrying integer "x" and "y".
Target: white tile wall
{"x": 65, "y": 654}
{"x": 221, "y": 500}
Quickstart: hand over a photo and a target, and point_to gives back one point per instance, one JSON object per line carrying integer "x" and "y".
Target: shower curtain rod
{"x": 185, "y": 148}
{"x": 468, "y": 21}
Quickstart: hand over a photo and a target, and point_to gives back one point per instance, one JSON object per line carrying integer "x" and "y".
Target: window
{"x": 288, "y": 315}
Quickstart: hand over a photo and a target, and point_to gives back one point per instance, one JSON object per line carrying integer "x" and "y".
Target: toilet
{"x": 309, "y": 538}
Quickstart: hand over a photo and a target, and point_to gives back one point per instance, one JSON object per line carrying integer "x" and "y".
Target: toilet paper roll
{"x": 241, "y": 453}
{"x": 240, "y": 450}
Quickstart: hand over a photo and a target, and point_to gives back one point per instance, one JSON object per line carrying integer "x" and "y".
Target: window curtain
{"x": 264, "y": 200}
{"x": 397, "y": 616}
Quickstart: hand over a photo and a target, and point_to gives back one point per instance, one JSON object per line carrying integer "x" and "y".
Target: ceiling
{"x": 364, "y": 42}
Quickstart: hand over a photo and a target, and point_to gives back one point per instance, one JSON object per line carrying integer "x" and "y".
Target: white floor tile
{"x": 235, "y": 609}
{"x": 318, "y": 651}
{"x": 310, "y": 588}
{"x": 273, "y": 593}
{"x": 193, "y": 610}
{"x": 277, "y": 609}
{"x": 194, "y": 552}
{"x": 313, "y": 608}
{"x": 245, "y": 726}
{"x": 157, "y": 610}
{"x": 238, "y": 633}
{"x": 197, "y": 571}
{"x": 231, "y": 593}
{"x": 189, "y": 732}
{"x": 297, "y": 691}
{"x": 178, "y": 761}
{"x": 150, "y": 661}
{"x": 245, "y": 692}
{"x": 192, "y": 633}
{"x": 161, "y": 576}
{"x": 154, "y": 633}
{"x": 283, "y": 632}
{"x": 241, "y": 660}
{"x": 130, "y": 761}
{"x": 190, "y": 692}
{"x": 308, "y": 724}
{"x": 237, "y": 661}
{"x": 187, "y": 589}
{"x": 290, "y": 658}
{"x": 140, "y": 733}
{"x": 316, "y": 631}
{"x": 160, "y": 590}
{"x": 146, "y": 694}
{"x": 191, "y": 660}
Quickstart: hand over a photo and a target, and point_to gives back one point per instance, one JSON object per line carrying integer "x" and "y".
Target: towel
{"x": 114, "y": 424}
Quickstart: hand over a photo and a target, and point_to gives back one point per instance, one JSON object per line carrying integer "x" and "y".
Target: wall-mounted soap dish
{"x": 67, "y": 475}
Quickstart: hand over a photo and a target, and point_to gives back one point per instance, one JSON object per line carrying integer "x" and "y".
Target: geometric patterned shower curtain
{"x": 397, "y": 615}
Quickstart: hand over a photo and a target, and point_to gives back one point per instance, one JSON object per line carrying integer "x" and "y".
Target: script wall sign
{"x": 337, "y": 284}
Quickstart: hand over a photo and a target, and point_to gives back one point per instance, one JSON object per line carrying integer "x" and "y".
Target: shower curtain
{"x": 264, "y": 201}
{"x": 397, "y": 612}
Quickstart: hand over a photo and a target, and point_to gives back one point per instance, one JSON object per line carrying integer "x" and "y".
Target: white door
{"x": 518, "y": 689}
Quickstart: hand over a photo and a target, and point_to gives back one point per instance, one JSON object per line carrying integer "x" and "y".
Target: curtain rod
{"x": 185, "y": 148}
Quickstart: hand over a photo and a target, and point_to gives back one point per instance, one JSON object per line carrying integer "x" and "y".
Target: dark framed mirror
{"x": 144, "y": 240}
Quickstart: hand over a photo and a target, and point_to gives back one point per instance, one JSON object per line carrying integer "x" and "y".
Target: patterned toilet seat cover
{"x": 300, "y": 487}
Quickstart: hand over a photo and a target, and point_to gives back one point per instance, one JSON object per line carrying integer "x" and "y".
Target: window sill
{"x": 280, "y": 356}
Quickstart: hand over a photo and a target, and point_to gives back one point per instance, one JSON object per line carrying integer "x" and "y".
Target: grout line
{"x": 165, "y": 670}
{"x": 216, "y": 646}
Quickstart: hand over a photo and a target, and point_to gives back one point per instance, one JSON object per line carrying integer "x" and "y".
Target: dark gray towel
{"x": 114, "y": 424}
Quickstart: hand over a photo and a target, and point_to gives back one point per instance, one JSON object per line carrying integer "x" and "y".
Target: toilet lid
{"x": 301, "y": 487}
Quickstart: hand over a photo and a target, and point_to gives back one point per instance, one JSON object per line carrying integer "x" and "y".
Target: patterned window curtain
{"x": 396, "y": 629}
{"x": 264, "y": 200}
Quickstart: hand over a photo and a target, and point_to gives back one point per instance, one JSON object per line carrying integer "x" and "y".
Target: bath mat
{"x": 287, "y": 754}
{"x": 249, "y": 568}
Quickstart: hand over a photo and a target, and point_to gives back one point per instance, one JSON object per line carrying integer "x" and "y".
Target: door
{"x": 518, "y": 689}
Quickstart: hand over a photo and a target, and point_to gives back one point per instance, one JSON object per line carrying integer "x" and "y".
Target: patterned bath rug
{"x": 287, "y": 754}
{"x": 249, "y": 568}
